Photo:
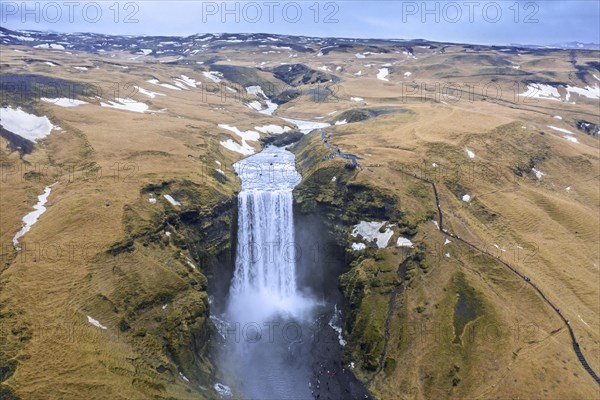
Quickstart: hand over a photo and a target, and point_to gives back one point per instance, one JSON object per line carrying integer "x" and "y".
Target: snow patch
{"x": 560, "y": 130}
{"x": 64, "y": 102}
{"x": 183, "y": 377}
{"x": 148, "y": 93}
{"x": 244, "y": 148}
{"x": 370, "y": 231}
{"x": 538, "y": 174}
{"x": 358, "y": 246}
{"x": 383, "y": 73}
{"x": 404, "y": 242}
{"x": 32, "y": 217}
{"x": 171, "y": 200}
{"x": 571, "y": 139}
{"x": 188, "y": 81}
{"x": 95, "y": 323}
{"x": 214, "y": 76}
{"x": 589, "y": 91}
{"x": 165, "y": 85}
{"x": 28, "y": 126}
{"x": 126, "y": 105}
{"x": 245, "y": 135}
{"x": 541, "y": 91}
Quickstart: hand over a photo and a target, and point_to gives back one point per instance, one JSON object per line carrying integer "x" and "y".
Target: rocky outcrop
{"x": 369, "y": 278}
{"x": 588, "y": 127}
{"x": 300, "y": 74}
{"x": 189, "y": 243}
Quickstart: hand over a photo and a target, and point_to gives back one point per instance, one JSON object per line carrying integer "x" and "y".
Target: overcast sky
{"x": 485, "y": 22}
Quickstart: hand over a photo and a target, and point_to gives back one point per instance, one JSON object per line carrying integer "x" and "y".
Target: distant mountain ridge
{"x": 564, "y": 46}
{"x": 160, "y": 46}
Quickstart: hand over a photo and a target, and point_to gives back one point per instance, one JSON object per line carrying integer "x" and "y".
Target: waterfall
{"x": 264, "y": 280}
{"x": 265, "y": 234}
{"x": 266, "y": 309}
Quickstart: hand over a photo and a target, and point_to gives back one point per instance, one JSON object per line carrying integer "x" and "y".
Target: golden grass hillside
{"x": 454, "y": 324}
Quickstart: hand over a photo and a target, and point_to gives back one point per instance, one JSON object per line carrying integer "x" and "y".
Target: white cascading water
{"x": 264, "y": 281}
{"x": 265, "y": 217}
{"x": 264, "y": 295}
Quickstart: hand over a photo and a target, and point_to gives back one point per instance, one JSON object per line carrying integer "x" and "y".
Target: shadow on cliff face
{"x": 320, "y": 260}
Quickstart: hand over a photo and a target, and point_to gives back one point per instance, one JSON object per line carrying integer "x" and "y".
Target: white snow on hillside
{"x": 244, "y": 148}
{"x": 588, "y": 91}
{"x": 538, "y": 174}
{"x": 383, "y": 73}
{"x": 560, "y": 130}
{"x": 165, "y": 85}
{"x": 126, "y": 105}
{"x": 371, "y": 231}
{"x": 49, "y": 46}
{"x": 214, "y": 76}
{"x": 358, "y": 246}
{"x": 188, "y": 81}
{"x": 95, "y": 323}
{"x": 403, "y": 242}
{"x": 28, "y": 126}
{"x": 571, "y": 139}
{"x": 64, "y": 102}
{"x": 171, "y": 200}
{"x": 245, "y": 135}
{"x": 541, "y": 91}
{"x": 148, "y": 93}
{"x": 30, "y": 219}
